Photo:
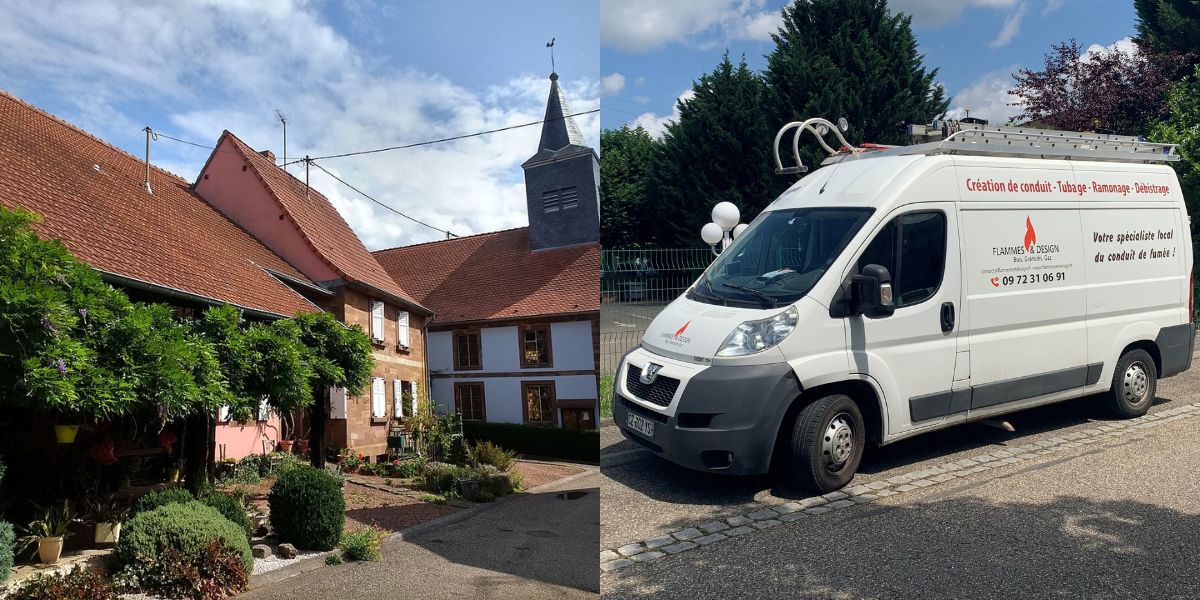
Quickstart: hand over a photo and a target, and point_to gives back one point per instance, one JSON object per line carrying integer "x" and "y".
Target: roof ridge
{"x": 453, "y": 239}
{"x": 85, "y": 133}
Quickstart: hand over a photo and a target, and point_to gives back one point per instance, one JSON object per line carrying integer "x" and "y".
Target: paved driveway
{"x": 1070, "y": 505}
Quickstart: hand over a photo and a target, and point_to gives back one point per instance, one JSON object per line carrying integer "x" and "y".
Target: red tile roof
{"x": 172, "y": 239}
{"x": 322, "y": 226}
{"x": 495, "y": 276}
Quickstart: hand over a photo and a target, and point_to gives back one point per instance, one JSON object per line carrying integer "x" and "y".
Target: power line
{"x": 446, "y": 139}
{"x": 312, "y": 162}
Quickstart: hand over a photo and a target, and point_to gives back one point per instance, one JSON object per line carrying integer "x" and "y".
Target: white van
{"x": 903, "y": 290}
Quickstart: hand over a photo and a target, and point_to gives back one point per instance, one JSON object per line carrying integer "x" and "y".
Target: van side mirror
{"x": 871, "y": 292}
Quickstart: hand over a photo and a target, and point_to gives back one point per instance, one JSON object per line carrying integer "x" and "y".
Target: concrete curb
{"x": 299, "y": 567}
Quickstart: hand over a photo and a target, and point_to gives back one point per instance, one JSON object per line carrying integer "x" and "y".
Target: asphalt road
{"x": 1112, "y": 519}
{"x": 536, "y": 546}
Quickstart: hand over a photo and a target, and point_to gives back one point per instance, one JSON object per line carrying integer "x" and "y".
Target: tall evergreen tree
{"x": 718, "y": 150}
{"x": 854, "y": 59}
{"x": 625, "y": 156}
{"x": 1168, "y": 26}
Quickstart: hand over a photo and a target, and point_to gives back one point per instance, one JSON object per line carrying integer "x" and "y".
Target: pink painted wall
{"x": 242, "y": 197}
{"x": 243, "y": 439}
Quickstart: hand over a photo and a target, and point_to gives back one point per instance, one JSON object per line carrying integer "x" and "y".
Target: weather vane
{"x": 550, "y": 45}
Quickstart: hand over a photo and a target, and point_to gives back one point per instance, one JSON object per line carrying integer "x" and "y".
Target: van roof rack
{"x": 956, "y": 137}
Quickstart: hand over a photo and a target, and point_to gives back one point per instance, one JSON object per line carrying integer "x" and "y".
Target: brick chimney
{"x": 268, "y": 154}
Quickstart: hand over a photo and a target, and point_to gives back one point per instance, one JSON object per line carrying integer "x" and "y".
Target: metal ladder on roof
{"x": 954, "y": 137}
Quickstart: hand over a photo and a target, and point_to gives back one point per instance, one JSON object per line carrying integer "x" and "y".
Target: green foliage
{"x": 77, "y": 584}
{"x": 446, "y": 479}
{"x": 7, "y": 541}
{"x": 1182, "y": 126}
{"x": 162, "y": 497}
{"x": 231, "y": 508}
{"x": 215, "y": 572}
{"x": 432, "y": 499}
{"x": 333, "y": 560}
{"x": 260, "y": 360}
{"x": 625, "y": 156}
{"x": 1168, "y": 26}
{"x": 308, "y": 509}
{"x": 341, "y": 356}
{"x": 54, "y": 521}
{"x": 442, "y": 478}
{"x": 488, "y": 453}
{"x": 548, "y": 442}
{"x": 606, "y": 396}
{"x": 186, "y": 528}
{"x": 362, "y": 544}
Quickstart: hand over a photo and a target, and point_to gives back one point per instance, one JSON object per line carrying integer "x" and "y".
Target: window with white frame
{"x": 377, "y": 320}
{"x": 398, "y": 398}
{"x": 337, "y": 403}
{"x": 264, "y": 409}
{"x": 402, "y": 328}
{"x": 378, "y": 403}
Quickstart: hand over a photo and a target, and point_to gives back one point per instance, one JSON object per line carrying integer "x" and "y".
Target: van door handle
{"x": 947, "y": 316}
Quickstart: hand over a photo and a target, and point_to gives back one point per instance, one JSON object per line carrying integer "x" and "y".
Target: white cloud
{"x": 656, "y": 125}
{"x": 227, "y": 65}
{"x": 933, "y": 13}
{"x": 1052, "y": 5}
{"x": 987, "y": 98}
{"x": 1125, "y": 45}
{"x": 1011, "y": 27}
{"x": 612, "y": 84}
{"x": 646, "y": 25}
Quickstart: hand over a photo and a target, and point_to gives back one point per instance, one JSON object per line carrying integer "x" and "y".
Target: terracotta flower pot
{"x": 65, "y": 434}
{"x": 286, "y": 446}
{"x": 303, "y": 446}
{"x": 108, "y": 533}
{"x": 50, "y": 549}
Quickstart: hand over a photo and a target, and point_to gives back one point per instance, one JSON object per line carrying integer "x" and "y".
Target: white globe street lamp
{"x": 724, "y": 228}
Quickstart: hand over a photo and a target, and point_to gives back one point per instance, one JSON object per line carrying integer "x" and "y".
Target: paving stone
{"x": 840, "y": 504}
{"x": 1002, "y": 453}
{"x": 796, "y": 516}
{"x": 831, "y": 496}
{"x": 788, "y": 508}
{"x": 680, "y": 547}
{"x": 855, "y": 490}
{"x": 985, "y": 458}
{"x": 899, "y": 479}
{"x": 607, "y": 555}
{"x": 816, "y": 510}
{"x": 631, "y": 549}
{"x": 885, "y": 493}
{"x": 763, "y": 514}
{"x": 877, "y": 485}
{"x": 864, "y": 498}
{"x": 659, "y": 542}
{"x": 768, "y": 523}
{"x": 613, "y": 565}
{"x": 688, "y": 534}
{"x": 1027, "y": 456}
{"x": 966, "y": 462}
{"x": 738, "y": 521}
{"x": 811, "y": 502}
{"x": 944, "y": 477}
{"x": 705, "y": 540}
{"x": 743, "y": 530}
{"x": 925, "y": 482}
{"x": 936, "y": 470}
{"x": 908, "y": 487}
{"x": 713, "y": 527}
{"x": 647, "y": 556}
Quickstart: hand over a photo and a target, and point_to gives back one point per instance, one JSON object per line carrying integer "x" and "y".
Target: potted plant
{"x": 285, "y": 446}
{"x": 49, "y": 531}
{"x": 108, "y": 512}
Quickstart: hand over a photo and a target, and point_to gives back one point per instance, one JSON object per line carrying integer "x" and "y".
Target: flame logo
{"x": 1030, "y": 234}
{"x": 682, "y": 329}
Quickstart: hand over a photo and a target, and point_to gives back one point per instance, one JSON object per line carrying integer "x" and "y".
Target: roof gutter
{"x": 130, "y": 282}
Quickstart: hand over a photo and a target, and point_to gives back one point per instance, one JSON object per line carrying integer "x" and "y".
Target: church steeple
{"x": 559, "y": 130}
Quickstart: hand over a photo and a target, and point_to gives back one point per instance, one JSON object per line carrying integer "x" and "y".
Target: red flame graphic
{"x": 1030, "y": 235}
{"x": 682, "y": 329}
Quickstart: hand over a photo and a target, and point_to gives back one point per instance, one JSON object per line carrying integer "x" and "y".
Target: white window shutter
{"x": 402, "y": 328}
{"x": 415, "y": 395}
{"x": 377, "y": 320}
{"x": 264, "y": 409}
{"x": 223, "y": 414}
{"x": 397, "y": 398}
{"x": 378, "y": 406}
{"x": 337, "y": 403}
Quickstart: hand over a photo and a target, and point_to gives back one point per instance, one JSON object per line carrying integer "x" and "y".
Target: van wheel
{"x": 827, "y": 443}
{"x": 1134, "y": 384}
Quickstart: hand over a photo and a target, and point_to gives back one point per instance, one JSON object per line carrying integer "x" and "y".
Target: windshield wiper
{"x": 771, "y": 303}
{"x": 710, "y": 294}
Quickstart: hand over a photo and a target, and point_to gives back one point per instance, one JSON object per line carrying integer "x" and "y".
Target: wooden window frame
{"x": 458, "y": 386}
{"x": 458, "y": 366}
{"x": 553, "y": 410}
{"x": 525, "y": 364}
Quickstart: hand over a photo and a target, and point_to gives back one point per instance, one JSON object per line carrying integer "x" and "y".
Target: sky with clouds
{"x": 348, "y": 75}
{"x": 651, "y": 55}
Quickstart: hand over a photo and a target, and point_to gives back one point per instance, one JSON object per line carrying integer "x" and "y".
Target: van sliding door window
{"x": 913, "y": 248}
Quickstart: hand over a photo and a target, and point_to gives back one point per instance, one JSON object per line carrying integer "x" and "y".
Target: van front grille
{"x": 659, "y": 393}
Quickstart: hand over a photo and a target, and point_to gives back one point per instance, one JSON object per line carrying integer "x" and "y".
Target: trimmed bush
{"x": 185, "y": 527}
{"x": 7, "y": 538}
{"x": 77, "y": 584}
{"x": 231, "y": 508}
{"x": 307, "y": 508}
{"x": 159, "y": 498}
{"x": 548, "y": 442}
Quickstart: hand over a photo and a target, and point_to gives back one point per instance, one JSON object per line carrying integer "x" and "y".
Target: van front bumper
{"x": 722, "y": 419}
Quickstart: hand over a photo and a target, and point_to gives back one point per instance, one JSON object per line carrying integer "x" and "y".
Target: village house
{"x": 516, "y": 333}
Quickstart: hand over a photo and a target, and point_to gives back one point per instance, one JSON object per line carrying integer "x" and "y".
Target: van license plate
{"x": 641, "y": 425}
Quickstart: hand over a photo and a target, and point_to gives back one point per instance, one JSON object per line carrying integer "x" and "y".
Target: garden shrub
{"x": 7, "y": 538}
{"x": 231, "y": 508}
{"x": 549, "y": 442}
{"x": 185, "y": 527}
{"x": 441, "y": 478}
{"x": 333, "y": 560}
{"x": 164, "y": 497}
{"x": 488, "y": 453}
{"x": 77, "y": 584}
{"x": 308, "y": 509}
{"x": 362, "y": 544}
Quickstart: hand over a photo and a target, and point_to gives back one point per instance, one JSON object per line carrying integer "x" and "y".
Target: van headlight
{"x": 756, "y": 336}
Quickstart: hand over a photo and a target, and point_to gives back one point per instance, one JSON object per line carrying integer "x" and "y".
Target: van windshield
{"x": 780, "y": 257}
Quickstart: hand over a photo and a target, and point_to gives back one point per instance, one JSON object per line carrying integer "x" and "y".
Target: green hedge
{"x": 308, "y": 509}
{"x": 548, "y": 442}
{"x": 231, "y": 508}
{"x": 159, "y": 498}
{"x": 6, "y": 549}
{"x": 187, "y": 527}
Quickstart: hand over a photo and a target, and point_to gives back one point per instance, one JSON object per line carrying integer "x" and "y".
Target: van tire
{"x": 1134, "y": 384}
{"x": 827, "y": 443}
